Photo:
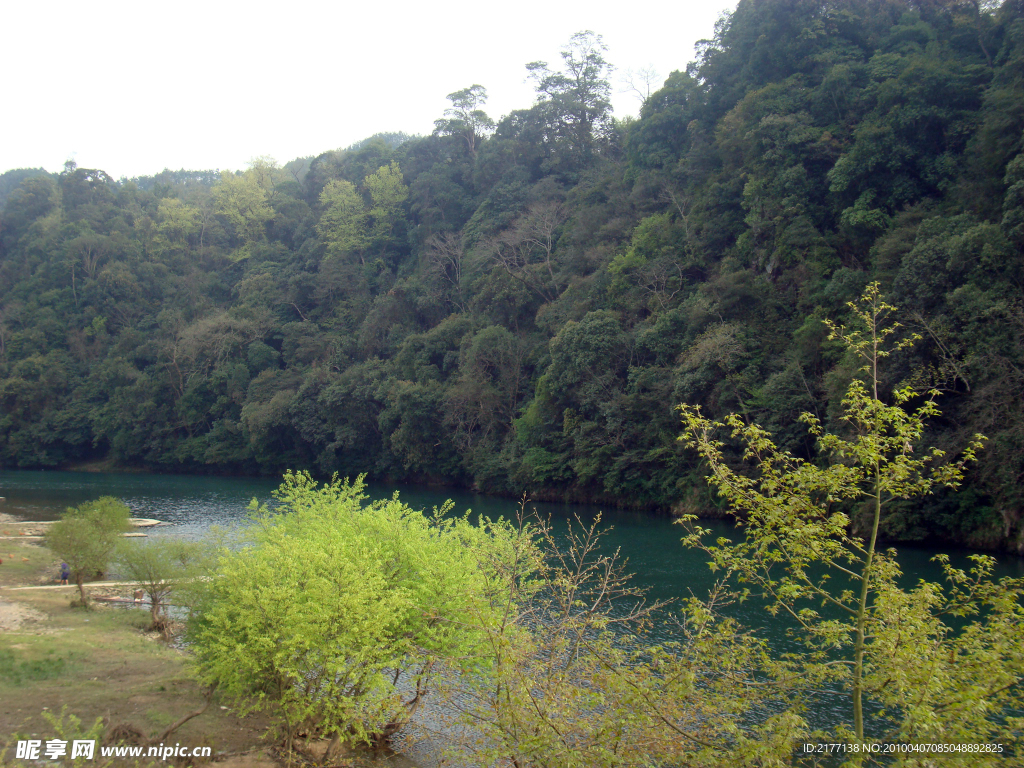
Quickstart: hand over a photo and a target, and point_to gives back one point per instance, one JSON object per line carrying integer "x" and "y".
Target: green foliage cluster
{"x": 337, "y": 616}
{"x": 931, "y": 664}
{"x": 86, "y": 536}
{"x": 515, "y": 304}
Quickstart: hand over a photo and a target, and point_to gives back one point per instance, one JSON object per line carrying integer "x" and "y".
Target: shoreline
{"x": 35, "y": 530}
{"x": 993, "y": 546}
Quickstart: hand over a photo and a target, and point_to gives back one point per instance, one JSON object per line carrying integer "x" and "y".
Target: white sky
{"x": 134, "y": 87}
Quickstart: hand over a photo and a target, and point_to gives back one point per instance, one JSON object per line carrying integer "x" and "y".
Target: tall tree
{"x": 465, "y": 117}
{"x": 576, "y": 98}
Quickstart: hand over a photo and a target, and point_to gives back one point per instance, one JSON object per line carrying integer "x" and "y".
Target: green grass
{"x": 17, "y": 671}
{"x": 26, "y": 563}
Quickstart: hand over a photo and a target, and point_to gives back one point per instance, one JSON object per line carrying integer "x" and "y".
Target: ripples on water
{"x": 191, "y": 504}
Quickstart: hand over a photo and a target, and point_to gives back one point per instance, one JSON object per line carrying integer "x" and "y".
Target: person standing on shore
{"x": 65, "y": 572}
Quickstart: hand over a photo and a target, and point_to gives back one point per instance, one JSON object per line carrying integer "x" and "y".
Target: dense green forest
{"x": 518, "y": 305}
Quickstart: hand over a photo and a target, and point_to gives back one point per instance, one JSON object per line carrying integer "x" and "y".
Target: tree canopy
{"x": 86, "y": 536}
{"x": 516, "y": 308}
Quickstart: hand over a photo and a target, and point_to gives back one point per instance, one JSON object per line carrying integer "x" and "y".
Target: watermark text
{"x": 85, "y": 749}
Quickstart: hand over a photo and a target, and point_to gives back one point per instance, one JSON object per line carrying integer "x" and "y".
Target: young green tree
{"x": 337, "y": 616}
{"x": 179, "y": 223}
{"x": 577, "y": 99}
{"x": 158, "y": 566}
{"x": 932, "y": 663}
{"x": 574, "y": 680}
{"x": 343, "y": 223}
{"x": 85, "y": 537}
{"x": 241, "y": 201}
{"x": 387, "y": 193}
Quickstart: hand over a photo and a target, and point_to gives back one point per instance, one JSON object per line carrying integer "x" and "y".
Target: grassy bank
{"x": 100, "y": 664}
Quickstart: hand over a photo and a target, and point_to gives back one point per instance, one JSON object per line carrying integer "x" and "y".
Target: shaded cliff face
{"x": 520, "y": 308}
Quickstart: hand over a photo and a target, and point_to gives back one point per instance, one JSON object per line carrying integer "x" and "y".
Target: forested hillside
{"x": 519, "y": 305}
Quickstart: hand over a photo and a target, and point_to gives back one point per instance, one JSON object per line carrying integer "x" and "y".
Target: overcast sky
{"x": 134, "y": 87}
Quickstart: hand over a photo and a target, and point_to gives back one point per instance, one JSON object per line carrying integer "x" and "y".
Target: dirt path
{"x": 13, "y": 615}
{"x": 89, "y": 584}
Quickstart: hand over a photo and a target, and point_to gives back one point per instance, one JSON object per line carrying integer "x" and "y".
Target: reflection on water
{"x": 649, "y": 544}
{"x": 192, "y": 504}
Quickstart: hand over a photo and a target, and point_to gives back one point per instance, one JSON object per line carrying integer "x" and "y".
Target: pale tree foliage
{"x": 178, "y": 222}
{"x": 717, "y": 355}
{"x": 197, "y": 348}
{"x": 159, "y": 567}
{"x": 492, "y": 380}
{"x": 86, "y": 252}
{"x": 342, "y": 225}
{"x": 720, "y": 347}
{"x": 660, "y": 280}
{"x": 933, "y": 663}
{"x": 445, "y": 256}
{"x": 526, "y": 250}
{"x": 387, "y": 193}
{"x": 348, "y": 226}
{"x": 242, "y": 202}
{"x": 267, "y": 174}
{"x": 90, "y": 250}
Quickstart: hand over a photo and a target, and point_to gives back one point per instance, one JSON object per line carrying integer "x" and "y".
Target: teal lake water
{"x": 193, "y": 503}
{"x": 651, "y": 545}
